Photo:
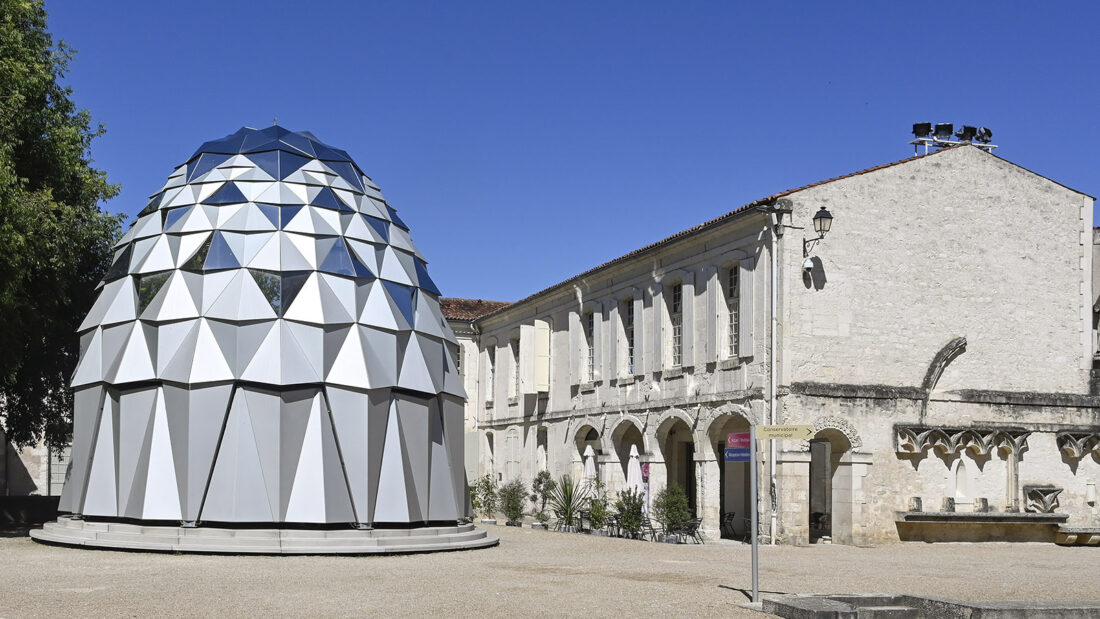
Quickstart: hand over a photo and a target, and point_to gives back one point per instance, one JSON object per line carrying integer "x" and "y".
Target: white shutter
{"x": 542, "y": 356}
{"x": 576, "y": 338}
{"x": 746, "y": 321}
{"x": 687, "y": 331}
{"x": 639, "y": 331}
{"x": 527, "y": 359}
{"x": 613, "y": 339}
{"x": 712, "y": 293}
{"x": 654, "y": 355}
{"x": 597, "y": 341}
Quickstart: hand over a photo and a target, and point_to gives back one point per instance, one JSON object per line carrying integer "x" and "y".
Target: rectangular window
{"x": 590, "y": 356}
{"x": 733, "y": 296}
{"x": 458, "y": 359}
{"x": 676, "y": 317}
{"x": 628, "y": 332}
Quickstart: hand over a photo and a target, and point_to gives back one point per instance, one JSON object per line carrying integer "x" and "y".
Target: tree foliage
{"x": 56, "y": 240}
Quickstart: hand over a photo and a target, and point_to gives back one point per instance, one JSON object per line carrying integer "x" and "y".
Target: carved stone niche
{"x": 1077, "y": 445}
{"x": 1042, "y": 499}
{"x": 916, "y": 439}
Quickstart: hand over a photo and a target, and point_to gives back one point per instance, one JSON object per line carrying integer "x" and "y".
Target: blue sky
{"x": 526, "y": 142}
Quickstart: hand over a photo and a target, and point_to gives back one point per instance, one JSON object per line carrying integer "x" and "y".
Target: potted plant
{"x": 597, "y": 508}
{"x": 629, "y": 504}
{"x": 566, "y": 499}
{"x": 485, "y": 489}
{"x": 512, "y": 497}
{"x": 670, "y": 508}
{"x": 541, "y": 487}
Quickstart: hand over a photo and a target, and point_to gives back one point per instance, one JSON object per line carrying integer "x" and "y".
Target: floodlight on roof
{"x": 922, "y": 130}
{"x": 984, "y": 135}
{"x": 967, "y": 133}
{"x": 944, "y": 131}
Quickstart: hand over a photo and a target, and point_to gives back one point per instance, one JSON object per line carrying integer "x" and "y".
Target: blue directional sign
{"x": 737, "y": 454}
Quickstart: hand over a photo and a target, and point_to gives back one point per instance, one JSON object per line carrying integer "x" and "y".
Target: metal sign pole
{"x": 754, "y": 492}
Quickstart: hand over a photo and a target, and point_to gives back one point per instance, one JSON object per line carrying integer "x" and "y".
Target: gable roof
{"x": 751, "y": 207}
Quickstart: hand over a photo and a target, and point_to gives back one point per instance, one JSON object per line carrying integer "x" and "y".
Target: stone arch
{"x": 721, "y": 416}
{"x": 665, "y": 423}
{"x": 627, "y": 431}
{"x": 623, "y": 423}
{"x": 583, "y": 433}
{"x": 838, "y": 424}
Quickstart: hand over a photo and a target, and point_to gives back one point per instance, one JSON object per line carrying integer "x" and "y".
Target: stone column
{"x": 792, "y": 473}
{"x": 708, "y": 494}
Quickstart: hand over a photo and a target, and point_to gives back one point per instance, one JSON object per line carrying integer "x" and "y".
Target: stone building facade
{"x": 940, "y": 340}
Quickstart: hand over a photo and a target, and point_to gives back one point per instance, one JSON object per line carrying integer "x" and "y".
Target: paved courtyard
{"x": 531, "y": 573}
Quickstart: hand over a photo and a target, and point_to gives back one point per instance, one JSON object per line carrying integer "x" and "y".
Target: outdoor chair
{"x": 690, "y": 531}
{"x": 647, "y": 529}
{"x": 613, "y": 525}
{"x": 559, "y": 521}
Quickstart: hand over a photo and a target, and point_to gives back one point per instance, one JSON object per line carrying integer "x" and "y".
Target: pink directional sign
{"x": 737, "y": 447}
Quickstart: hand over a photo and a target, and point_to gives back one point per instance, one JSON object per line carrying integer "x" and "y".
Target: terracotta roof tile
{"x": 468, "y": 309}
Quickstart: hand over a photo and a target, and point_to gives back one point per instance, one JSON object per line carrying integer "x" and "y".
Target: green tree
{"x": 56, "y": 240}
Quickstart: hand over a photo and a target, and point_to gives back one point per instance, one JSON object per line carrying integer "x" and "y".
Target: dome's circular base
{"x": 68, "y": 531}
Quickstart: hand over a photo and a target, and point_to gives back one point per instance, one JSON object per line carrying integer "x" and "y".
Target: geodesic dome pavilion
{"x": 267, "y": 350}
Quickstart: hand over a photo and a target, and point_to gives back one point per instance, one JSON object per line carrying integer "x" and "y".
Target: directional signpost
{"x": 775, "y": 433}
{"x": 798, "y": 433}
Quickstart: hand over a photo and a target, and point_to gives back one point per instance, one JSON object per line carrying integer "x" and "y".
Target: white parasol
{"x": 634, "y": 471}
{"x": 589, "y": 463}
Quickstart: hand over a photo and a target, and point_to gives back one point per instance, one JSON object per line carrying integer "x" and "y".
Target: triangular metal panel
{"x": 412, "y": 417}
{"x": 350, "y": 416}
{"x": 306, "y": 306}
{"x": 176, "y": 350}
{"x": 415, "y": 373}
{"x": 236, "y": 491}
{"x": 441, "y": 495}
{"x": 380, "y": 350}
{"x": 391, "y": 501}
{"x": 162, "y": 499}
{"x": 296, "y": 366}
{"x": 268, "y": 427}
{"x": 101, "y": 498}
{"x": 291, "y": 258}
{"x": 263, "y": 366}
{"x": 90, "y": 368}
{"x": 307, "y": 494}
{"x": 205, "y": 416}
{"x": 293, "y": 408}
{"x": 453, "y": 414}
{"x": 135, "y": 363}
{"x": 135, "y": 432}
{"x": 338, "y": 292}
{"x": 379, "y": 310}
{"x": 210, "y": 363}
{"x": 310, "y": 340}
{"x": 250, "y": 337}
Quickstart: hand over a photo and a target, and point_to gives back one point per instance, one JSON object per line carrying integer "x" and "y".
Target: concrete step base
{"x": 67, "y": 531}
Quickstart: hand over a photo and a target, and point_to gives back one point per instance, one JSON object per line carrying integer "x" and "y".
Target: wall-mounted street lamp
{"x": 823, "y": 221}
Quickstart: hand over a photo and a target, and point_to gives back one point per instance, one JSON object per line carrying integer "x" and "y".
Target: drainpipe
{"x": 773, "y": 302}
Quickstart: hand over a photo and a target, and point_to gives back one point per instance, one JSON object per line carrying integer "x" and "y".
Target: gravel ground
{"x": 531, "y": 573}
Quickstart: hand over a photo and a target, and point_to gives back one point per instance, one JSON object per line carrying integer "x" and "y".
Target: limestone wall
{"x": 958, "y": 243}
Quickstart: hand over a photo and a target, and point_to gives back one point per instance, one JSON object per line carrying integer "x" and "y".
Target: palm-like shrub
{"x": 512, "y": 497}
{"x": 597, "y": 505}
{"x": 670, "y": 507}
{"x": 567, "y": 499}
{"x": 629, "y": 505}
{"x": 541, "y": 487}
{"x": 485, "y": 496}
